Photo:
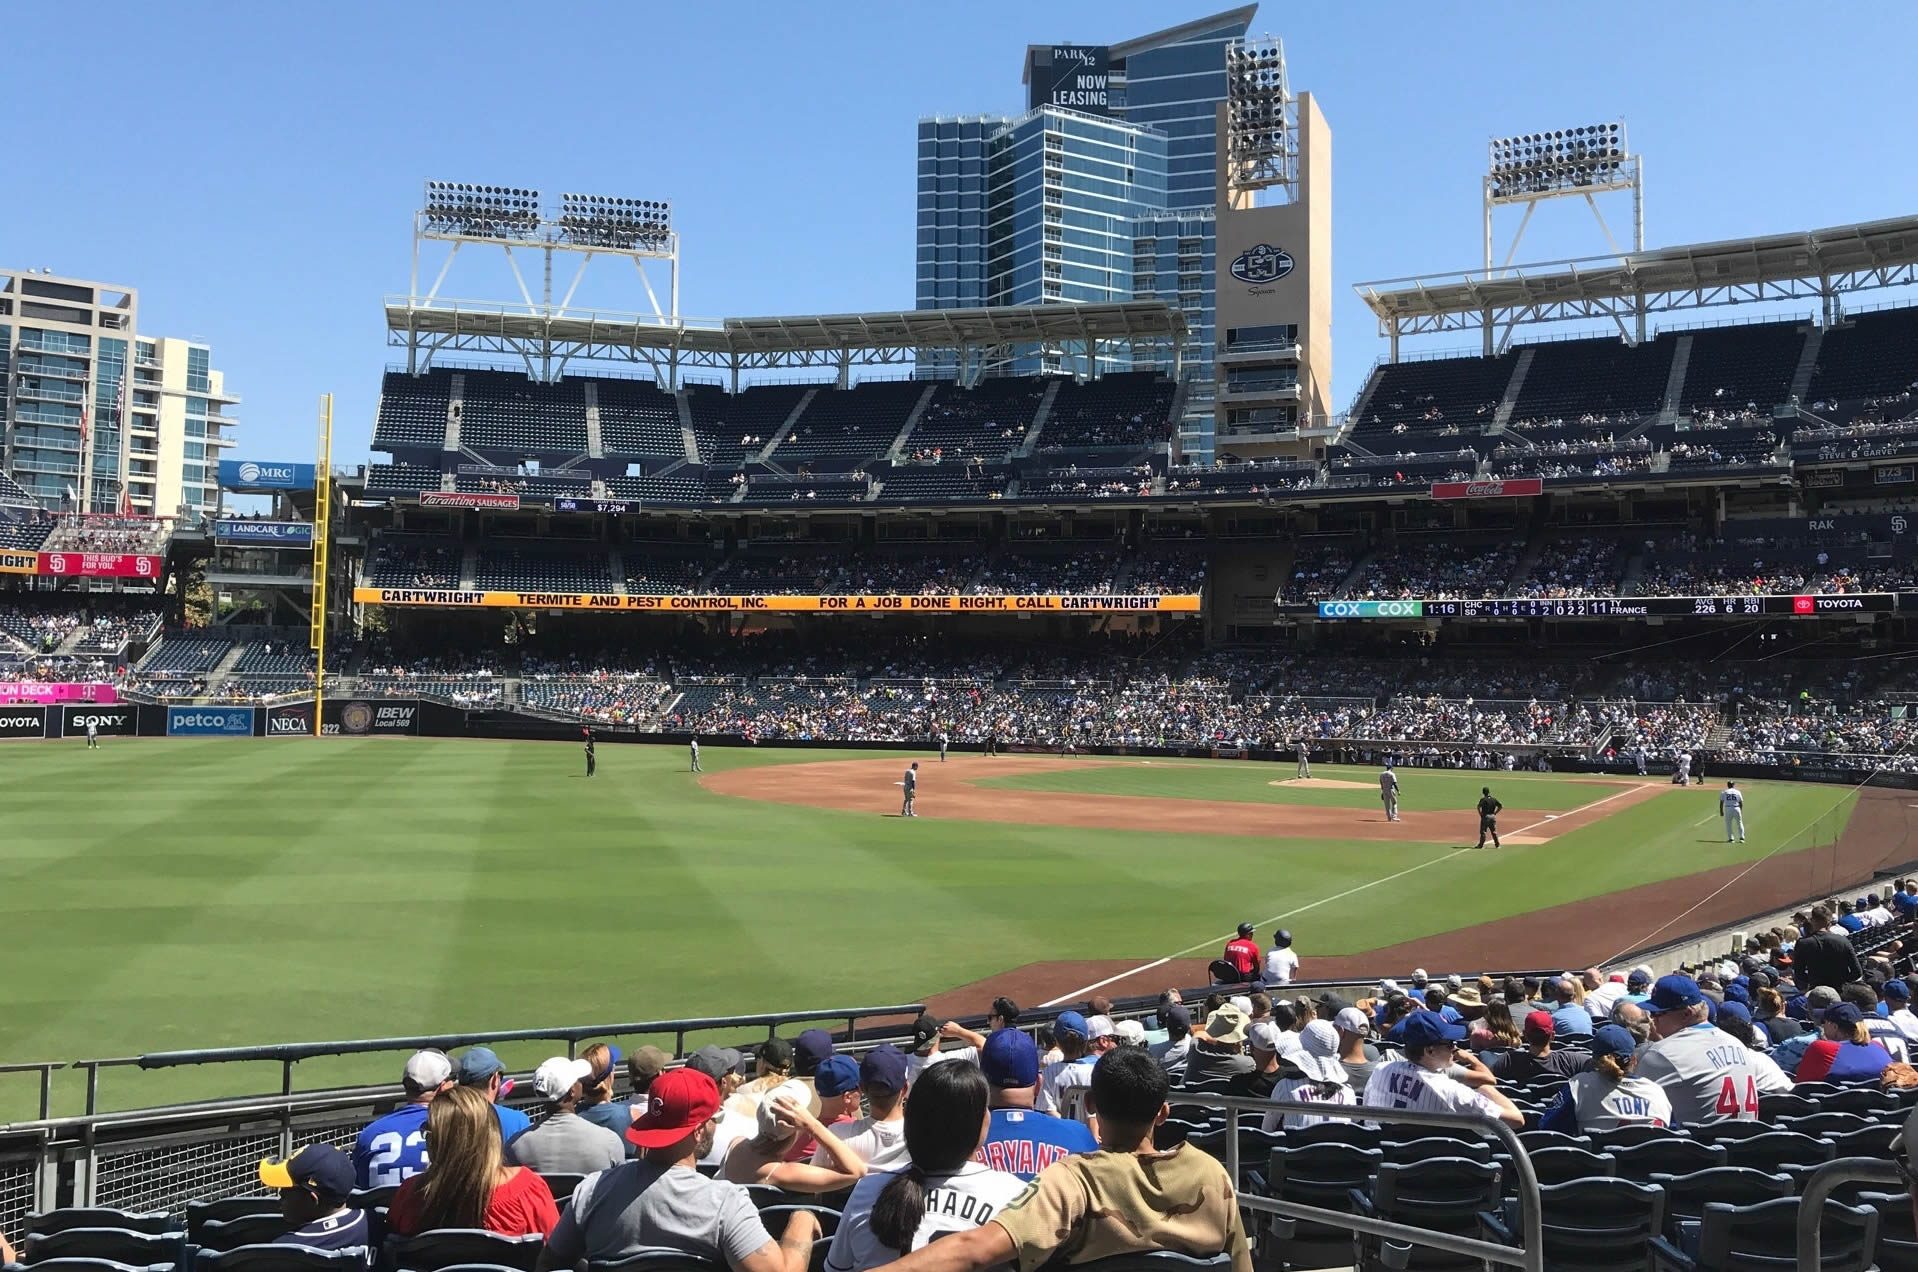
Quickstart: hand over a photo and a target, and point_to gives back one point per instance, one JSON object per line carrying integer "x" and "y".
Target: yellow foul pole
{"x": 322, "y": 518}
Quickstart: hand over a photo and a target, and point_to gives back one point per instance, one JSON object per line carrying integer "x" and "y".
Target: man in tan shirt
{"x": 1125, "y": 1197}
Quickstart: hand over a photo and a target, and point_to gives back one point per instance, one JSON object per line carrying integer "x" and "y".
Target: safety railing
{"x": 1818, "y": 1190}
{"x": 1530, "y": 1255}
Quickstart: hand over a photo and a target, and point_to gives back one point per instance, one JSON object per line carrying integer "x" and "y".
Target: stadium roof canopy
{"x": 1625, "y": 288}
{"x": 548, "y": 338}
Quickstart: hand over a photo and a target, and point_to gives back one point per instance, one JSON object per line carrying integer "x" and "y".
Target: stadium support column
{"x": 322, "y": 520}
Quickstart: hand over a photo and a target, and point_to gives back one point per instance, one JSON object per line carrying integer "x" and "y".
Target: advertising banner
{"x": 19, "y": 562}
{"x": 293, "y": 720}
{"x": 1371, "y": 609}
{"x": 264, "y": 534}
{"x": 209, "y": 722}
{"x": 1073, "y": 76}
{"x": 358, "y": 719}
{"x": 100, "y": 565}
{"x": 254, "y": 474}
{"x": 467, "y": 499}
{"x": 1891, "y": 475}
{"x": 22, "y": 722}
{"x": 1497, "y": 488}
{"x": 109, "y": 721}
{"x": 35, "y": 691}
{"x": 1824, "y": 478}
{"x": 788, "y": 604}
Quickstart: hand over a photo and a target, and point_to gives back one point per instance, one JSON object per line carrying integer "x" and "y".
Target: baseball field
{"x": 173, "y": 894}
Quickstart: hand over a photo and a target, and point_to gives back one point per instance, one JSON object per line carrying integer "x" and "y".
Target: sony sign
{"x": 108, "y": 721}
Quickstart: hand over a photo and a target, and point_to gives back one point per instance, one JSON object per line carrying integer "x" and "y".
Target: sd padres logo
{"x": 356, "y": 717}
{"x": 1262, "y": 264}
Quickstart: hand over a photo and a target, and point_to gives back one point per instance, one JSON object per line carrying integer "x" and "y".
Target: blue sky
{"x": 252, "y": 168}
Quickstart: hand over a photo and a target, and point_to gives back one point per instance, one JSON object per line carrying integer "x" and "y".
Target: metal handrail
{"x": 1818, "y": 1189}
{"x": 1529, "y": 1256}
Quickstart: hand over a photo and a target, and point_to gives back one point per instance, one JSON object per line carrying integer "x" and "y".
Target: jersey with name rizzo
{"x": 1706, "y": 1074}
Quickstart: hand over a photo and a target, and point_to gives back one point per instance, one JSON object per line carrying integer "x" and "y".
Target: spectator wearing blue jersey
{"x": 393, "y": 1148}
{"x": 480, "y": 1069}
{"x": 1020, "y": 1140}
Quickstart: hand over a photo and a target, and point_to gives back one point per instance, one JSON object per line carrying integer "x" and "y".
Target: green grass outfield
{"x": 183, "y": 893}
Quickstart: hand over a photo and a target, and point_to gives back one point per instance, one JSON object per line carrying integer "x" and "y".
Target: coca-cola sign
{"x": 1514, "y": 488}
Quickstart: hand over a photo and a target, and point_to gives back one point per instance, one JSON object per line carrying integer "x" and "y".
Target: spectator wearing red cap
{"x": 783, "y": 1119}
{"x": 1537, "y": 1055}
{"x": 468, "y": 1184}
{"x": 661, "y": 1201}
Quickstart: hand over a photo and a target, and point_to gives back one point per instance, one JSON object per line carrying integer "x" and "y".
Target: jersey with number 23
{"x": 391, "y": 1150}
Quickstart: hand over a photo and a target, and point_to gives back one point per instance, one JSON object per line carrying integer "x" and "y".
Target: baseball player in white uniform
{"x": 1389, "y": 791}
{"x": 911, "y": 783}
{"x": 93, "y": 733}
{"x": 943, "y": 740}
{"x": 1731, "y": 802}
{"x": 1305, "y": 760}
{"x": 1419, "y": 1079}
{"x": 694, "y": 747}
{"x": 1682, "y": 773}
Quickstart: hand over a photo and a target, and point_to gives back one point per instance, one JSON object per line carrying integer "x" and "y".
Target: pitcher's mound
{"x": 1324, "y": 784}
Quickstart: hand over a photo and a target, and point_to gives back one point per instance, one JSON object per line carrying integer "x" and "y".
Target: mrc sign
{"x": 258, "y": 474}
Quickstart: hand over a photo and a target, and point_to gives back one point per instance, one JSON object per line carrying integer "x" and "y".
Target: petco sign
{"x": 253, "y": 474}
{"x": 209, "y": 722}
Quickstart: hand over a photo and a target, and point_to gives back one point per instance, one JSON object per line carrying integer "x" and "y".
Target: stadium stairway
{"x": 1038, "y": 425}
{"x": 786, "y": 425}
{"x": 898, "y": 446}
{"x": 455, "y": 408}
{"x": 1520, "y": 369}
{"x": 217, "y": 677}
{"x": 686, "y": 437}
{"x": 1675, "y": 379}
{"x": 1527, "y": 561}
{"x": 617, "y": 561}
{"x": 469, "y": 567}
{"x": 1357, "y": 572}
{"x": 595, "y": 449}
{"x": 1807, "y": 363}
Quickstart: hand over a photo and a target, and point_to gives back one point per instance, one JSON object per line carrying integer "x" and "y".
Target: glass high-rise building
{"x": 1027, "y": 209}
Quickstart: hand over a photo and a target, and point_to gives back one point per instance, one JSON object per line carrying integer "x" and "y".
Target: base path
{"x": 949, "y": 791}
{"x": 1881, "y": 835}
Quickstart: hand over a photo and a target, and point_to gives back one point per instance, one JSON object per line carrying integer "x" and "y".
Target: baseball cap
{"x": 679, "y": 1103}
{"x": 770, "y": 1123}
{"x": 1844, "y": 1015}
{"x": 1178, "y": 1014}
{"x": 1226, "y": 1025}
{"x": 1613, "y": 1040}
{"x": 777, "y": 1053}
{"x": 555, "y": 1077}
{"x": 613, "y": 1057}
{"x": 1246, "y": 929}
{"x": 1734, "y": 1011}
{"x": 1638, "y": 978}
{"x": 884, "y": 1067}
{"x": 477, "y": 1065}
{"x": 1282, "y": 936}
{"x": 925, "y": 1031}
{"x": 1419, "y": 977}
{"x": 1318, "y": 1053}
{"x": 427, "y": 1069}
{"x": 1541, "y": 1022}
{"x": 837, "y": 1075}
{"x": 1896, "y": 988}
{"x": 1454, "y": 981}
{"x": 1069, "y": 1023}
{"x": 1130, "y": 1032}
{"x": 1390, "y": 986}
{"x": 321, "y": 1167}
{"x": 812, "y": 1047}
{"x": 1100, "y": 1027}
{"x": 1819, "y": 1001}
{"x": 1243, "y": 1002}
{"x": 1423, "y": 1029}
{"x": 646, "y": 1062}
{"x": 1009, "y": 1059}
{"x": 1737, "y": 994}
{"x": 1674, "y": 993}
{"x": 1353, "y": 1021}
{"x": 714, "y": 1062}
{"x": 1264, "y": 1036}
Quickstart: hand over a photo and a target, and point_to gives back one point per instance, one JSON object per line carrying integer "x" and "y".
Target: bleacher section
{"x": 661, "y": 572}
{"x": 1461, "y": 394}
{"x": 412, "y": 414}
{"x": 636, "y": 419}
{"x": 681, "y": 487}
{"x": 400, "y": 479}
{"x": 986, "y": 423}
{"x": 772, "y": 488}
{"x": 410, "y": 563}
{"x": 539, "y": 568}
{"x": 1735, "y": 367}
{"x": 730, "y": 428}
{"x": 1121, "y": 411}
{"x": 502, "y": 411}
{"x": 1870, "y": 355}
{"x": 935, "y": 483}
{"x": 25, "y": 536}
{"x": 855, "y": 423}
{"x": 1573, "y": 379}
{"x": 185, "y": 656}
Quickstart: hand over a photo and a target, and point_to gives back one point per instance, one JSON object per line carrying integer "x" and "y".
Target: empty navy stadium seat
{"x": 431, "y": 1251}
{"x": 1764, "y": 1236}
{"x": 1589, "y": 1225}
{"x": 278, "y": 1258}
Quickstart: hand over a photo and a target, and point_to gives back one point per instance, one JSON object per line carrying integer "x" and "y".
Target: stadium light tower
{"x": 509, "y": 217}
{"x": 1262, "y": 126}
{"x": 1582, "y": 162}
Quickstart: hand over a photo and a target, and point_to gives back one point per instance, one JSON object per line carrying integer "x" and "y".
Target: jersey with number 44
{"x": 1706, "y": 1073}
{"x": 391, "y": 1150}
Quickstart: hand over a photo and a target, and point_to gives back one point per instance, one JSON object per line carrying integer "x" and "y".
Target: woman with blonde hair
{"x": 1608, "y": 1095}
{"x": 783, "y": 1120}
{"x": 1845, "y": 1052}
{"x": 467, "y": 1183}
{"x": 1496, "y": 1031}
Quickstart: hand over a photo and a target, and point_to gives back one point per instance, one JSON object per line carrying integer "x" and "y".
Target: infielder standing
{"x": 592, "y": 762}
{"x": 912, "y": 788}
{"x": 1731, "y": 802}
{"x": 694, "y": 747}
{"x": 1488, "y": 809}
{"x": 1682, "y": 773}
{"x": 943, "y": 740}
{"x": 1389, "y": 792}
{"x": 1305, "y": 760}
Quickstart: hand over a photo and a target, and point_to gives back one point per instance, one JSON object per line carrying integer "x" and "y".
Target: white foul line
{"x": 1447, "y": 856}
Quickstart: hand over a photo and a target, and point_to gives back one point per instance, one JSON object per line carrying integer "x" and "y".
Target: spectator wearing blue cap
{"x": 1882, "y": 1031}
{"x": 1176, "y": 1019}
{"x": 1074, "y": 1038}
{"x": 1705, "y": 1073}
{"x": 480, "y": 1069}
{"x": 315, "y": 1185}
{"x": 1846, "y": 1053}
{"x": 1423, "y": 1078}
{"x": 1608, "y": 1095}
{"x": 1897, "y": 1004}
{"x": 1848, "y": 916}
{"x": 1021, "y": 1140}
{"x": 880, "y": 1137}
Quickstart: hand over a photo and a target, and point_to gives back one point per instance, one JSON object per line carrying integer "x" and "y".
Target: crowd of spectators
{"x": 1436, "y": 570}
{"x": 1572, "y": 568}
{"x": 109, "y": 534}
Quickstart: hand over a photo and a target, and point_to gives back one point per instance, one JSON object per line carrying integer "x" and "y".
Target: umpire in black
{"x": 1488, "y": 808}
{"x": 592, "y": 761}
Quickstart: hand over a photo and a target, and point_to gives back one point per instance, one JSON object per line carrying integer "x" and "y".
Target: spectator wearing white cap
{"x": 1263, "y": 1039}
{"x": 393, "y": 1148}
{"x": 783, "y": 1118}
{"x": 1313, "y": 1075}
{"x": 1356, "y": 1053}
{"x": 565, "y": 1143}
{"x": 1130, "y": 1033}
